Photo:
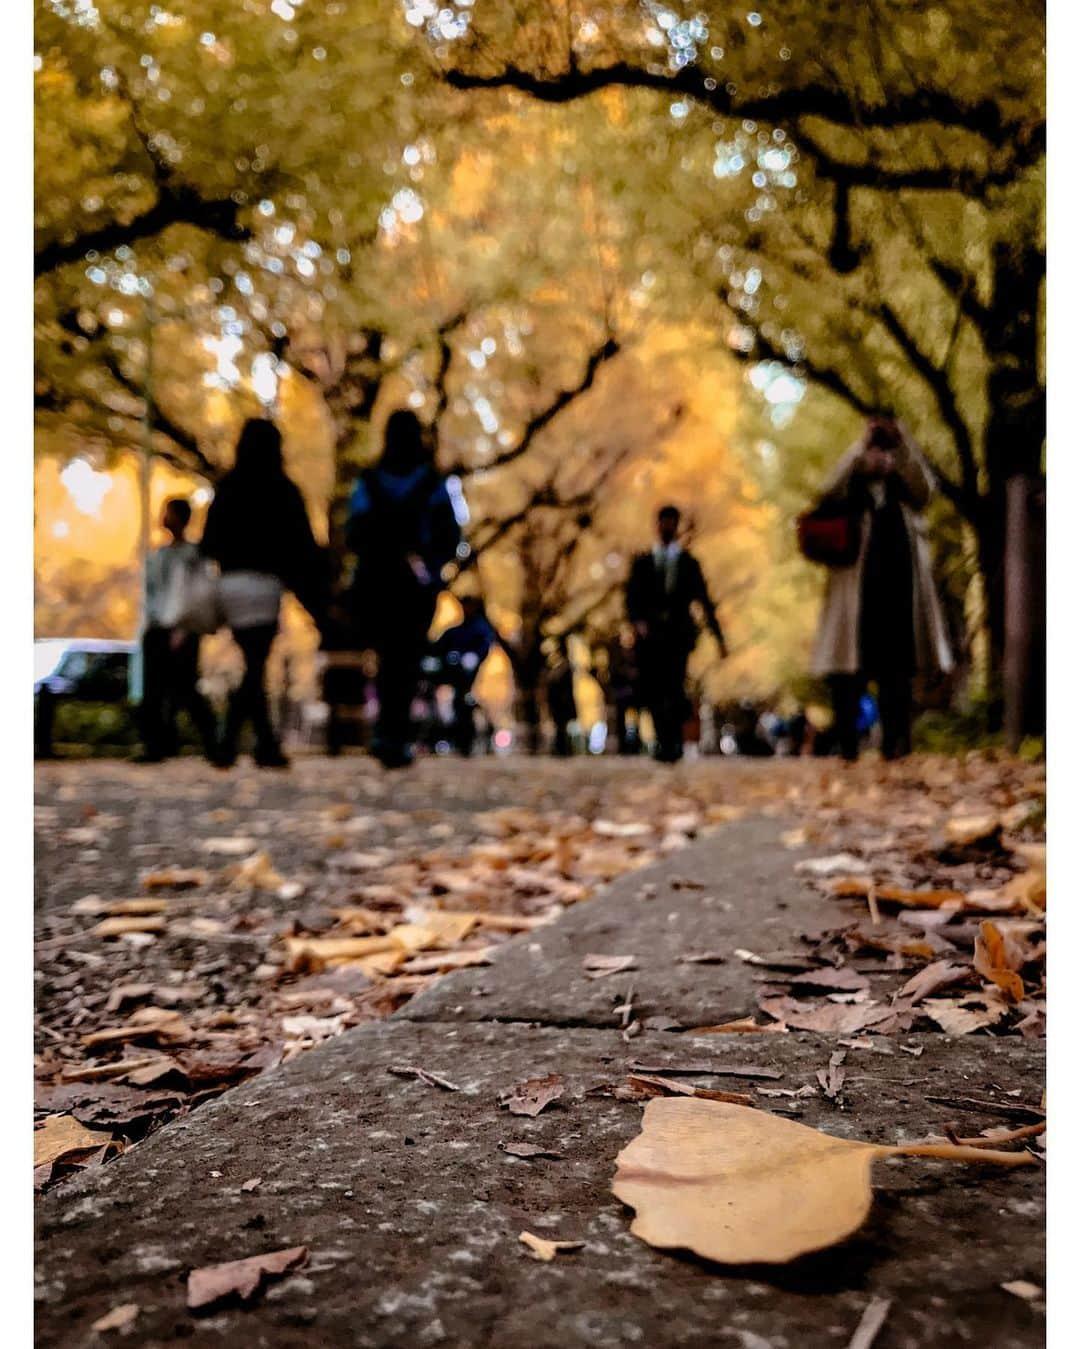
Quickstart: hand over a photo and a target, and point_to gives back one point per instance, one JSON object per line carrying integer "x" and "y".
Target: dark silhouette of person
{"x": 258, "y": 531}
{"x": 170, "y": 655}
{"x": 664, "y": 587}
{"x": 460, "y": 651}
{"x": 881, "y": 621}
{"x": 561, "y": 703}
{"x": 620, "y": 682}
{"x": 404, "y": 530}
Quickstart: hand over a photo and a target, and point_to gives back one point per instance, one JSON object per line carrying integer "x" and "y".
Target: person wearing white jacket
{"x": 881, "y": 621}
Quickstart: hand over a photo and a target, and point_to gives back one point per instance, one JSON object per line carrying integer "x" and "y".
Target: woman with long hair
{"x": 258, "y": 532}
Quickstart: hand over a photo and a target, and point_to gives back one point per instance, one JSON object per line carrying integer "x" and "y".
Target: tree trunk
{"x": 1015, "y": 435}
{"x": 1025, "y": 616}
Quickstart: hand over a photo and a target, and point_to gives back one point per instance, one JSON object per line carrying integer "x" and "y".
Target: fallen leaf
{"x": 744, "y": 1025}
{"x": 648, "y": 1085}
{"x": 118, "y": 1319}
{"x": 175, "y": 878}
{"x": 830, "y": 866}
{"x": 253, "y": 1184}
{"x": 965, "y": 831}
{"x": 62, "y": 1135}
{"x": 704, "y": 958}
{"x": 707, "y": 1070}
{"x": 831, "y": 1078}
{"x": 961, "y": 1016}
{"x": 533, "y": 1095}
{"x": 598, "y": 967}
{"x": 527, "y": 1150}
{"x": 870, "y": 1323}
{"x": 448, "y": 960}
{"x": 228, "y": 847}
{"x": 1021, "y": 1288}
{"x": 118, "y": 927}
{"x": 542, "y": 1249}
{"x": 422, "y": 1073}
{"x": 840, "y": 980}
{"x": 239, "y": 1278}
{"x": 783, "y": 1189}
{"x": 254, "y": 873}
{"x": 939, "y": 974}
{"x": 156, "y": 1023}
{"x": 994, "y": 961}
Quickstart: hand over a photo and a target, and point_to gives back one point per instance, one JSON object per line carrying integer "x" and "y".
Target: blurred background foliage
{"x": 614, "y": 253}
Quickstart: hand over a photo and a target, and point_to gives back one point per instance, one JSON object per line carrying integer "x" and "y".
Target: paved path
{"x": 411, "y": 1211}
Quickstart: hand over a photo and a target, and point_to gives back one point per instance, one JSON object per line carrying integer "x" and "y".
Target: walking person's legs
{"x": 846, "y": 691}
{"x": 400, "y": 654}
{"x": 671, "y": 679}
{"x": 248, "y": 701}
{"x": 185, "y": 682}
{"x": 155, "y": 655}
{"x": 894, "y": 705}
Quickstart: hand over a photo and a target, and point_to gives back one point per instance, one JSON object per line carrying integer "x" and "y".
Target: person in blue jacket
{"x": 404, "y": 527}
{"x": 460, "y": 651}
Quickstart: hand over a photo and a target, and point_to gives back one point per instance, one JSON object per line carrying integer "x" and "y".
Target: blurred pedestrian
{"x": 460, "y": 652}
{"x": 666, "y": 584}
{"x": 404, "y": 529}
{"x": 561, "y": 702}
{"x": 170, "y": 653}
{"x": 258, "y": 531}
{"x": 881, "y": 621}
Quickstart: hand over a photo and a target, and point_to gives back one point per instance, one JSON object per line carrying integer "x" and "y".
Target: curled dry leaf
{"x": 644, "y": 1084}
{"x": 961, "y": 1016}
{"x": 533, "y": 1095}
{"x": 742, "y": 1186}
{"x": 118, "y": 1319}
{"x": 598, "y": 967}
{"x": 1022, "y": 1288}
{"x": 998, "y": 960}
{"x": 527, "y": 1150}
{"x": 239, "y": 1278}
{"x": 62, "y": 1136}
{"x": 745, "y": 1025}
{"x": 542, "y": 1249}
{"x": 120, "y": 927}
{"x": 175, "y": 878}
{"x": 965, "y": 831}
{"x": 940, "y": 974}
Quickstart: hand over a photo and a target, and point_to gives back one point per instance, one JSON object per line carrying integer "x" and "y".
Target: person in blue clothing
{"x": 460, "y": 651}
{"x": 404, "y": 527}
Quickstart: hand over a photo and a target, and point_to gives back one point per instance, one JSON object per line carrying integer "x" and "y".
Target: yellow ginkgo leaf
{"x": 741, "y": 1186}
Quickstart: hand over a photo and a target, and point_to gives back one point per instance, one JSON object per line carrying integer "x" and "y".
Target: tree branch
{"x": 178, "y": 204}
{"x": 547, "y": 415}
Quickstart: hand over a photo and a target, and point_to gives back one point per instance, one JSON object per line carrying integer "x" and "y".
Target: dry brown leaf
{"x": 1027, "y": 891}
{"x": 599, "y": 967}
{"x": 99, "y": 1072}
{"x": 745, "y": 1025}
{"x": 528, "y": 1150}
{"x": 852, "y": 887}
{"x": 1022, "y": 1288}
{"x": 157, "y": 1023}
{"x": 118, "y": 927}
{"x": 233, "y": 846}
{"x": 239, "y": 1278}
{"x": 939, "y": 974}
{"x": 961, "y": 1016}
{"x": 62, "y": 1135}
{"x": 533, "y": 1095}
{"x": 315, "y": 953}
{"x": 647, "y": 1085}
{"x": 542, "y": 1249}
{"x": 118, "y": 1319}
{"x": 175, "y": 878}
{"x": 253, "y": 873}
{"x": 448, "y": 960}
{"x": 995, "y": 961}
{"x": 964, "y": 831}
{"x": 742, "y": 1186}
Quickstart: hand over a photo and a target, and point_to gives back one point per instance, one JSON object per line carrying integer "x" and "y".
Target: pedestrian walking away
{"x": 460, "y": 652}
{"x": 561, "y": 702}
{"x": 404, "y": 528}
{"x": 170, "y": 652}
{"x": 881, "y": 621}
{"x": 665, "y": 587}
{"x": 258, "y": 531}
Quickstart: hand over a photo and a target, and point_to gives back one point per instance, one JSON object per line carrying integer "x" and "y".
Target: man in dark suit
{"x": 663, "y": 587}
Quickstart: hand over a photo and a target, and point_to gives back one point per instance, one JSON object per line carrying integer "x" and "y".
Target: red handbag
{"x": 830, "y": 535}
